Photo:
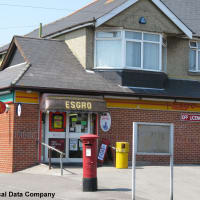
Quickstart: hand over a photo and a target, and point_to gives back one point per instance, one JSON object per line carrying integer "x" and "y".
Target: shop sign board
{"x": 153, "y": 139}
{"x": 73, "y": 103}
{"x": 153, "y": 105}
{"x": 105, "y": 122}
{"x": 78, "y": 105}
{"x": 2, "y": 107}
{"x": 28, "y": 97}
{"x": 190, "y": 117}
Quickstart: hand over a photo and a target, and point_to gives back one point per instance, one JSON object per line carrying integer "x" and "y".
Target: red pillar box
{"x": 89, "y": 162}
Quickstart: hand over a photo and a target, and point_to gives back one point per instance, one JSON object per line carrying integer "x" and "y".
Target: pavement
{"x": 152, "y": 183}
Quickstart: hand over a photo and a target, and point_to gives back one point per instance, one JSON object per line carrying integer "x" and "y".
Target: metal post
{"x": 172, "y": 163}
{"x": 134, "y": 147}
{"x": 61, "y": 164}
{"x": 49, "y": 158}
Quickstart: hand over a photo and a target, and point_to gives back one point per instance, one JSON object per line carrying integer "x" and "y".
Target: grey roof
{"x": 12, "y": 74}
{"x": 188, "y": 11}
{"x": 54, "y": 66}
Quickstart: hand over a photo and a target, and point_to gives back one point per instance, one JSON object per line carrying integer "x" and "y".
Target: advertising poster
{"x": 73, "y": 144}
{"x": 58, "y": 121}
{"x": 105, "y": 122}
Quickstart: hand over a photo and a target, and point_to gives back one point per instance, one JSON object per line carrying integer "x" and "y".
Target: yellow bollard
{"x": 122, "y": 149}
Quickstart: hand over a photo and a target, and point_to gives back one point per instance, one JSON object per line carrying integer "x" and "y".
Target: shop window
{"x": 58, "y": 144}
{"x": 78, "y": 123}
{"x": 75, "y": 148}
{"x": 57, "y": 122}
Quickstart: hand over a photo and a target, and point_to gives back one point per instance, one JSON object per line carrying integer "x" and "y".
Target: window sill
{"x": 126, "y": 68}
{"x": 194, "y": 73}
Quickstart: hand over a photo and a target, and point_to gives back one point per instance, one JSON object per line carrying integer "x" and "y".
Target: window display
{"x": 57, "y": 122}
{"x": 75, "y": 148}
{"x": 78, "y": 123}
{"x": 58, "y": 144}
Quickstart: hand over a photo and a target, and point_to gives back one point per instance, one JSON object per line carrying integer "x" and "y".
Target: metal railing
{"x": 50, "y": 148}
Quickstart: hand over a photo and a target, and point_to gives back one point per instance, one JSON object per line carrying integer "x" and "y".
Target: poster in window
{"x": 57, "y": 122}
{"x": 73, "y": 145}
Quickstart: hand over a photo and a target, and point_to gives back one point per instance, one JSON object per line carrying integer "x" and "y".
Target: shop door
{"x": 78, "y": 124}
{"x": 55, "y": 135}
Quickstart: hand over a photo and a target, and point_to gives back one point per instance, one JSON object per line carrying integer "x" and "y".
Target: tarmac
{"x": 152, "y": 183}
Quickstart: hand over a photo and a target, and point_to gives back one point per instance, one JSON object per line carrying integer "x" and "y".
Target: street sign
{"x": 189, "y": 117}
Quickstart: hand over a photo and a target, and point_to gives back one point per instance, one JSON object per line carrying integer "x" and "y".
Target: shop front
{"x": 65, "y": 119}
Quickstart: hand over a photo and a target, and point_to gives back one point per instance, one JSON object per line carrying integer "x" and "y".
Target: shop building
{"x": 136, "y": 60}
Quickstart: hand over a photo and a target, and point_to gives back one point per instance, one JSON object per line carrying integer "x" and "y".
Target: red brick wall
{"x": 25, "y": 137}
{"x": 6, "y": 140}
{"x": 186, "y": 134}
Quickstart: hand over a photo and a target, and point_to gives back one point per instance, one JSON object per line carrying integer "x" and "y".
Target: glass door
{"x": 55, "y": 135}
{"x": 78, "y": 124}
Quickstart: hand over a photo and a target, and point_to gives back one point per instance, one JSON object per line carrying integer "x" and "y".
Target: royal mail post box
{"x": 89, "y": 162}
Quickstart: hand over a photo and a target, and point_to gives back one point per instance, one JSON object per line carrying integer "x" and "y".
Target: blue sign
{"x": 142, "y": 20}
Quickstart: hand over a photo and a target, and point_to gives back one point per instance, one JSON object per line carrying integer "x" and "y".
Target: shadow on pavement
{"x": 115, "y": 189}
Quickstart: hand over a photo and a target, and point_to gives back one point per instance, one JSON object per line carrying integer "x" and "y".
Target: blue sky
{"x": 18, "y": 18}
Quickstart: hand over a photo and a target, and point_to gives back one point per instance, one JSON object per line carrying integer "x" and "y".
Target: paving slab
{"x": 113, "y": 184}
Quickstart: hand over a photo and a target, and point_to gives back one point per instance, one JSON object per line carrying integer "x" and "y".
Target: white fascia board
{"x": 114, "y": 12}
{"x": 173, "y": 17}
{"x": 158, "y": 3}
{"x": 69, "y": 30}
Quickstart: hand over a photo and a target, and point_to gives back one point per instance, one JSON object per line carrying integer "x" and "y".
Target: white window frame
{"x": 104, "y": 39}
{"x": 197, "y": 50}
{"x": 123, "y": 49}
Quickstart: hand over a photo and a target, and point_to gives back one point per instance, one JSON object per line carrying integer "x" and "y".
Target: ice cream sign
{"x": 189, "y": 117}
{"x": 105, "y": 122}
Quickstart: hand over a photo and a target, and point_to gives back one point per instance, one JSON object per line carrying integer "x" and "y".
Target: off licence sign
{"x": 189, "y": 117}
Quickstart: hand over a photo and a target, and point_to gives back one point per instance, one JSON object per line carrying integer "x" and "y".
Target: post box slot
{"x": 123, "y": 146}
{"x": 88, "y": 144}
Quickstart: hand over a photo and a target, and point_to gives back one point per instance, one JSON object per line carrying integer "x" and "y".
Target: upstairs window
{"x": 108, "y": 49}
{"x": 131, "y": 50}
{"x": 194, "y": 58}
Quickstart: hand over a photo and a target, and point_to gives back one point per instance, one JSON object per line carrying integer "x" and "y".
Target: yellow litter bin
{"x": 122, "y": 149}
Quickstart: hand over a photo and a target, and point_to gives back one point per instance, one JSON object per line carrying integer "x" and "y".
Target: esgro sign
{"x": 78, "y": 105}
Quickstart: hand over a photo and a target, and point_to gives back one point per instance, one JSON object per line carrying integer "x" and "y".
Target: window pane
{"x": 198, "y": 45}
{"x": 113, "y": 34}
{"x": 78, "y": 123}
{"x": 133, "y": 54}
{"x": 192, "y": 66}
{"x": 151, "y": 56}
{"x": 198, "y": 60}
{"x": 193, "y": 44}
{"x": 133, "y": 35}
{"x": 152, "y": 37}
{"x": 108, "y": 53}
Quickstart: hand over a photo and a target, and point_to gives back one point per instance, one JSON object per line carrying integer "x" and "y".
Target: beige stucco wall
{"x": 156, "y": 20}
{"x": 76, "y": 40}
{"x": 81, "y": 43}
{"x": 90, "y": 48}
